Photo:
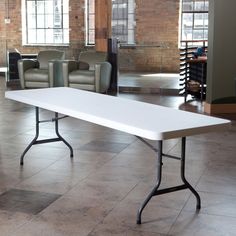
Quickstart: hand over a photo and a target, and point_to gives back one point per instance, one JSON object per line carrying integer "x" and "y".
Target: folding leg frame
{"x": 155, "y": 191}
{"x": 35, "y": 139}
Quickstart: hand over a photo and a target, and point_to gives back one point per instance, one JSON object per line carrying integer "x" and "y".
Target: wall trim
{"x": 220, "y": 108}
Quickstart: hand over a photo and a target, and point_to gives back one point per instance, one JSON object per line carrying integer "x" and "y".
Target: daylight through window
{"x": 46, "y": 22}
{"x": 194, "y": 20}
{"x": 122, "y": 24}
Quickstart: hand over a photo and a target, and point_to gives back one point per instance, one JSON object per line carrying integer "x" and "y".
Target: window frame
{"x": 193, "y": 27}
{"x": 130, "y": 20}
{"x": 45, "y": 29}
{"x": 129, "y": 29}
{"x": 87, "y": 23}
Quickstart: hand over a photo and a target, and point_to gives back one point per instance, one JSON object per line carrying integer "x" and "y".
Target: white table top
{"x": 138, "y": 118}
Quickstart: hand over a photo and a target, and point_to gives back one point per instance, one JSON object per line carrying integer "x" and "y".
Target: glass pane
{"x": 130, "y": 36}
{"x": 57, "y": 7}
{"x": 57, "y": 34}
{"x": 91, "y": 37}
{"x": 31, "y": 36}
{"x": 30, "y": 7}
{"x": 31, "y": 21}
{"x": 187, "y": 5}
{"x": 206, "y": 6}
{"x": 187, "y": 20}
{"x": 49, "y": 9}
{"x": 57, "y": 21}
{"x": 130, "y": 21}
{"x": 65, "y": 5}
{"x": 49, "y": 35}
{"x": 66, "y": 21}
{"x": 122, "y": 38}
{"x": 119, "y": 30}
{"x": 205, "y": 17}
{"x": 119, "y": 1}
{"x": 40, "y": 36}
{"x": 206, "y": 34}
{"x": 65, "y": 36}
{"x": 131, "y": 6}
{"x": 91, "y": 22}
{"x": 91, "y": 6}
{"x": 119, "y": 12}
{"x": 199, "y": 5}
{"x": 187, "y": 34}
{"x": 198, "y": 34}
{"x": 40, "y": 21}
{"x": 48, "y": 21}
{"x": 40, "y": 7}
{"x": 198, "y": 21}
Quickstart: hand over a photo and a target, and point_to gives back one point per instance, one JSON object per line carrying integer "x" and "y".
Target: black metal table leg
{"x": 35, "y": 139}
{"x": 60, "y": 137}
{"x": 183, "y": 148}
{"x": 154, "y": 190}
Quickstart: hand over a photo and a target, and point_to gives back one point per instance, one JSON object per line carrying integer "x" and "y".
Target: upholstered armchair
{"x": 91, "y": 72}
{"x": 39, "y": 73}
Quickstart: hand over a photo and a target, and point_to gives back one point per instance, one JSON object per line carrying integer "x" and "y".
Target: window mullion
{"x": 38, "y": 15}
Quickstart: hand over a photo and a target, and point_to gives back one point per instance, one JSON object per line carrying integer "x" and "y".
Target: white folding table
{"x": 144, "y": 120}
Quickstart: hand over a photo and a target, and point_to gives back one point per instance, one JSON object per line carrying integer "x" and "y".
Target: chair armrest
{"x": 23, "y": 65}
{"x": 51, "y": 71}
{"x": 67, "y": 67}
{"x": 102, "y": 76}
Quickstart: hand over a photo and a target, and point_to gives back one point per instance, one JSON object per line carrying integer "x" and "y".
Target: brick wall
{"x": 11, "y": 34}
{"x": 157, "y": 24}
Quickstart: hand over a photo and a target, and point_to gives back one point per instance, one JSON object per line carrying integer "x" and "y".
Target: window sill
{"x": 45, "y": 45}
{"x": 127, "y": 46}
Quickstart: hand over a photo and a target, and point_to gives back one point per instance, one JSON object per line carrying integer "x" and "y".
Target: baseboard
{"x": 220, "y": 108}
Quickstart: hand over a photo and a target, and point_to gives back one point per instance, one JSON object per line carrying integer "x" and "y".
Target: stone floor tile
{"x": 203, "y": 224}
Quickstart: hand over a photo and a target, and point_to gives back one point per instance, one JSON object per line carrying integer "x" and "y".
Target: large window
{"x": 122, "y": 24}
{"x": 45, "y": 22}
{"x": 123, "y": 20}
{"x": 194, "y": 20}
{"x": 90, "y": 22}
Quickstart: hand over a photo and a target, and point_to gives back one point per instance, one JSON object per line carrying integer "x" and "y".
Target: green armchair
{"x": 39, "y": 73}
{"x": 92, "y": 72}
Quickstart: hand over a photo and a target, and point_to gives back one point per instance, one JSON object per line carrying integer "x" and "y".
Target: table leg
{"x": 183, "y": 148}
{"x": 155, "y": 191}
{"x": 35, "y": 141}
{"x": 59, "y": 136}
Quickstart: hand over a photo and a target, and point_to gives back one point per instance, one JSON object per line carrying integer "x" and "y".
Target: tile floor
{"x": 161, "y": 83}
{"x": 99, "y": 191}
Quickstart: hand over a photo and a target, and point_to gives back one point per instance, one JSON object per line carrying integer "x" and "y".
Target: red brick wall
{"x": 156, "y": 23}
{"x": 11, "y": 34}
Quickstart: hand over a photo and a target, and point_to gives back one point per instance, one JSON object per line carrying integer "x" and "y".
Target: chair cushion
{"x": 88, "y": 87}
{"x": 37, "y": 75}
{"x": 30, "y": 84}
{"x": 82, "y": 77}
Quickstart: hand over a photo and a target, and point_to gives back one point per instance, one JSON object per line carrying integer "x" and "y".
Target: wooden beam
{"x": 102, "y": 24}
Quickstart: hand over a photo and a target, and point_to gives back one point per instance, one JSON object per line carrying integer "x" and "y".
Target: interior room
{"x": 95, "y": 165}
